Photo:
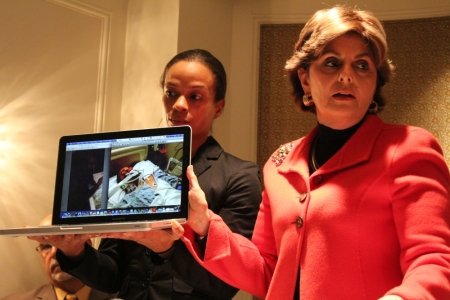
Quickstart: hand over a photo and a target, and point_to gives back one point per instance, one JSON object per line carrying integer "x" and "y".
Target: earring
{"x": 373, "y": 108}
{"x": 307, "y": 100}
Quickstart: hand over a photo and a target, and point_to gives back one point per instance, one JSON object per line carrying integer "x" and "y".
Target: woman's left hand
{"x": 199, "y": 217}
{"x": 156, "y": 240}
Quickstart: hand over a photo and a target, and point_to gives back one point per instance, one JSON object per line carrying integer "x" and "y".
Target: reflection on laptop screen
{"x": 124, "y": 176}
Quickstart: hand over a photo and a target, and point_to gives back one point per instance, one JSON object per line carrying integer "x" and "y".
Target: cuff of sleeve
{"x": 157, "y": 259}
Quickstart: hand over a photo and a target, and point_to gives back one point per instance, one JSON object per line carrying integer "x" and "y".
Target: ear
{"x": 303, "y": 76}
{"x": 219, "y": 108}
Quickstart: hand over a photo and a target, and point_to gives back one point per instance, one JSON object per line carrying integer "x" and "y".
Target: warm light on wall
{"x": 3, "y": 145}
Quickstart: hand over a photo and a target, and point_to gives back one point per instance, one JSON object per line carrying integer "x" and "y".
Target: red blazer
{"x": 374, "y": 220}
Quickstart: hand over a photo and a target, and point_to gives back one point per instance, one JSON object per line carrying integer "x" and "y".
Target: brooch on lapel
{"x": 281, "y": 154}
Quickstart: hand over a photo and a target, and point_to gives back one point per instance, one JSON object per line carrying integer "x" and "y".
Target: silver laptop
{"x": 119, "y": 181}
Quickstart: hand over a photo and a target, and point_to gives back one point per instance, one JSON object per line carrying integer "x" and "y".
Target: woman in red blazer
{"x": 357, "y": 209}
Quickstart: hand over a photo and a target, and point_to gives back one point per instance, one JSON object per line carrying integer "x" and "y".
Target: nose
{"x": 346, "y": 74}
{"x": 180, "y": 104}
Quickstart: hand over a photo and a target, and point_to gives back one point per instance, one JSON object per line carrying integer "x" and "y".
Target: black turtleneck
{"x": 328, "y": 141}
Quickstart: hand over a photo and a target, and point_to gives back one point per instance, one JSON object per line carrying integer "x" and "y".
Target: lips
{"x": 343, "y": 96}
{"x": 55, "y": 266}
{"x": 56, "y": 269}
{"x": 178, "y": 122}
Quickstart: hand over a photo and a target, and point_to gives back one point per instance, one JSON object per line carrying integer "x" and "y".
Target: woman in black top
{"x": 150, "y": 265}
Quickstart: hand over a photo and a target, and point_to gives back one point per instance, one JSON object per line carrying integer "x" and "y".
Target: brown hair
{"x": 326, "y": 25}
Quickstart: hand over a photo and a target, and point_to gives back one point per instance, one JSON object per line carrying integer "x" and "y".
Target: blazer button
{"x": 298, "y": 222}
{"x": 318, "y": 179}
{"x": 303, "y": 197}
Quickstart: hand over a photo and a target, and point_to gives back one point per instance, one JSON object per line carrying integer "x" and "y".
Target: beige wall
{"x": 207, "y": 24}
{"x": 152, "y": 39}
{"x": 73, "y": 66}
{"x": 157, "y": 30}
{"x": 61, "y": 72}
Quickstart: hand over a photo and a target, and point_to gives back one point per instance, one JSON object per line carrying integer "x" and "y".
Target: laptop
{"x": 119, "y": 181}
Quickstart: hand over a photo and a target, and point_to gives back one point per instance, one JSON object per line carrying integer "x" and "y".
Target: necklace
{"x": 313, "y": 162}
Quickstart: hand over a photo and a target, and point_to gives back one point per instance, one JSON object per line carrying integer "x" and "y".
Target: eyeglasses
{"x": 44, "y": 248}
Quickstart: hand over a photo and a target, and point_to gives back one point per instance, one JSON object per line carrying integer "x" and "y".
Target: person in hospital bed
{"x": 144, "y": 185}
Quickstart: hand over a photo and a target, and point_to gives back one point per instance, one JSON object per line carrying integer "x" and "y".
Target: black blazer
{"x": 233, "y": 190}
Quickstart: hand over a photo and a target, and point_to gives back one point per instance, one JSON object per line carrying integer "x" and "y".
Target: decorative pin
{"x": 281, "y": 154}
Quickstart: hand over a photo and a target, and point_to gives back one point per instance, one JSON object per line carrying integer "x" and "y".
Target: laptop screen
{"x": 136, "y": 175}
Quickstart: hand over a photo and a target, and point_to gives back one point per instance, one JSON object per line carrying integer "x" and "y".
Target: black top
{"x": 328, "y": 141}
{"x": 233, "y": 190}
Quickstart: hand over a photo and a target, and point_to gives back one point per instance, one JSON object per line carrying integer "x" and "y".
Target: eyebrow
{"x": 204, "y": 87}
{"x": 364, "y": 54}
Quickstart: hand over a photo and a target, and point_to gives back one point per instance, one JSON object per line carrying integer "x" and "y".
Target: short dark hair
{"x": 210, "y": 61}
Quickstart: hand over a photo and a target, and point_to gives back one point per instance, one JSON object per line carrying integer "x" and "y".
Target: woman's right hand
{"x": 198, "y": 218}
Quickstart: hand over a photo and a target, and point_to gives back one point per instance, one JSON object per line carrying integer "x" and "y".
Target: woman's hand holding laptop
{"x": 159, "y": 241}
{"x": 72, "y": 245}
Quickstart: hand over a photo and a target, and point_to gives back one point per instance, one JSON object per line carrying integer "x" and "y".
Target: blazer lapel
{"x": 297, "y": 159}
{"x": 356, "y": 150}
{"x": 47, "y": 293}
{"x": 210, "y": 150}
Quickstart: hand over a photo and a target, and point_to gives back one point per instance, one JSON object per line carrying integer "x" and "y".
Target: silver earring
{"x": 307, "y": 99}
{"x": 373, "y": 108}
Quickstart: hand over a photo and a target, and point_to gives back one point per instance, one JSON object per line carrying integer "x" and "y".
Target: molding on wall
{"x": 383, "y": 15}
{"x": 435, "y": 12}
{"x": 105, "y": 37}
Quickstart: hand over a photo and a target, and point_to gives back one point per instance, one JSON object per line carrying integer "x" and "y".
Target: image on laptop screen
{"x": 119, "y": 181}
{"x": 121, "y": 178}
